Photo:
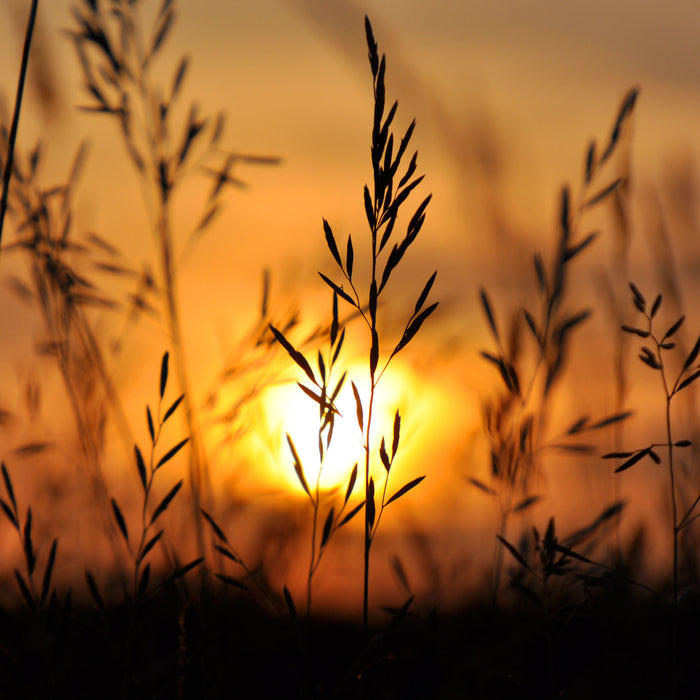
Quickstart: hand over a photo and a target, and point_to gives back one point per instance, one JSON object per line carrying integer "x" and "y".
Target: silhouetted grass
{"x": 530, "y": 367}
{"x": 580, "y": 619}
{"x": 12, "y": 137}
{"x": 382, "y": 207}
{"x": 325, "y": 393}
{"x": 116, "y": 53}
{"x": 63, "y": 286}
{"x": 654, "y": 357}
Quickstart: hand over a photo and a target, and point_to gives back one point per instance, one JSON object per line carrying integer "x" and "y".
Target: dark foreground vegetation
{"x": 560, "y": 616}
{"x": 616, "y": 647}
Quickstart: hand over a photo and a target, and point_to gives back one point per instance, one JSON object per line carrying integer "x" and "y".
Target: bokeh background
{"x": 507, "y": 97}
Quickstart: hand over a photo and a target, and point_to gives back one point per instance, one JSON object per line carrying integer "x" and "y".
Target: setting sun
{"x": 476, "y": 230}
{"x": 289, "y": 411}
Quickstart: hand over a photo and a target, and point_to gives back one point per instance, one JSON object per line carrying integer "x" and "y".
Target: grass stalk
{"x": 381, "y": 209}
{"x": 674, "y": 524}
{"x": 116, "y": 57}
{"x": 368, "y": 521}
{"x": 654, "y": 358}
{"x": 7, "y": 173}
{"x": 324, "y": 391}
{"x": 197, "y": 473}
{"x": 516, "y": 420}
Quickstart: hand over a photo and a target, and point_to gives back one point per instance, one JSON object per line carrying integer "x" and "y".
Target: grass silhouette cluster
{"x": 565, "y": 614}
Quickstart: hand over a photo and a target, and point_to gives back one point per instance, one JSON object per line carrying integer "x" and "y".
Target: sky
{"x": 506, "y": 96}
{"x": 540, "y": 78}
{"x": 536, "y": 79}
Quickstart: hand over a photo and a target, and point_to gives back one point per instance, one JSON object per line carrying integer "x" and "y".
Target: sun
{"x": 289, "y": 411}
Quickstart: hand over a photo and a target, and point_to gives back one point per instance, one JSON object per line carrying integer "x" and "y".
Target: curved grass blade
{"x": 179, "y": 573}
{"x": 405, "y": 489}
{"x": 141, "y": 466}
{"x": 167, "y": 500}
{"x": 351, "y": 514}
{"x": 121, "y": 523}
{"x": 358, "y": 404}
{"x": 171, "y": 453}
{"x": 516, "y": 554}
{"x": 227, "y": 553}
{"x": 173, "y": 407}
{"x": 8, "y": 486}
{"x": 94, "y": 590}
{"x": 163, "y": 374}
{"x": 212, "y": 523}
{"x": 230, "y": 581}
{"x": 143, "y": 581}
{"x": 351, "y": 484}
{"x": 290, "y": 603}
{"x": 330, "y": 241}
{"x": 8, "y": 512}
{"x": 149, "y": 546}
{"x": 24, "y": 589}
{"x": 632, "y": 461}
{"x": 29, "y": 553}
{"x": 294, "y": 353}
{"x": 327, "y": 527}
{"x": 298, "y": 468}
{"x": 46, "y": 583}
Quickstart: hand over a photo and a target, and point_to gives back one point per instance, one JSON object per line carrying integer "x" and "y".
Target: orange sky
{"x": 540, "y": 79}
{"x": 292, "y": 75}
{"x": 534, "y": 81}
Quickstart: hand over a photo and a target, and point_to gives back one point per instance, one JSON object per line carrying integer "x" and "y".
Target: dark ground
{"x": 616, "y": 646}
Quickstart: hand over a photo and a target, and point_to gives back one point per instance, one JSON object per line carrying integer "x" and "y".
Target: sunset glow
{"x": 487, "y": 215}
{"x": 494, "y": 180}
{"x": 288, "y": 410}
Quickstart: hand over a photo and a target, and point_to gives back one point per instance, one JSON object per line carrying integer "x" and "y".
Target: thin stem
{"x": 381, "y": 508}
{"x": 674, "y": 512}
{"x": 175, "y": 330}
{"x": 368, "y": 524}
{"x": 60, "y": 337}
{"x": 498, "y": 554}
{"x": 7, "y": 174}
{"x": 91, "y": 346}
{"x": 312, "y": 562}
{"x": 370, "y": 410}
{"x": 164, "y": 240}
{"x": 674, "y": 508}
{"x": 672, "y": 481}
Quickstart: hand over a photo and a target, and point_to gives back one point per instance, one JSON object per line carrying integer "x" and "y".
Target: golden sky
{"x": 537, "y": 79}
{"x": 542, "y": 78}
{"x": 507, "y": 96}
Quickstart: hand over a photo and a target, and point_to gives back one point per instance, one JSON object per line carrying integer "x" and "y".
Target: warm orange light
{"x": 439, "y": 418}
{"x": 289, "y": 410}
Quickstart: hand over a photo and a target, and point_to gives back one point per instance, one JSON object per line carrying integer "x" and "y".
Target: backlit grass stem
{"x": 7, "y": 172}
{"x": 116, "y": 57}
{"x": 654, "y": 357}
{"x": 516, "y": 420}
{"x": 382, "y": 204}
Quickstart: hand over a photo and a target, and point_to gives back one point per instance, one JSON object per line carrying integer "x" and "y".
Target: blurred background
{"x": 507, "y": 98}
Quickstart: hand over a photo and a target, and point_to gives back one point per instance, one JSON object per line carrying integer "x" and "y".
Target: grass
{"x": 116, "y": 58}
{"x": 12, "y": 138}
{"x": 516, "y": 420}
{"x": 382, "y": 208}
{"x": 569, "y": 610}
{"x": 689, "y": 372}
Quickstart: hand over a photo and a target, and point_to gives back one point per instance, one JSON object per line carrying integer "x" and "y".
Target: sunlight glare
{"x": 289, "y": 410}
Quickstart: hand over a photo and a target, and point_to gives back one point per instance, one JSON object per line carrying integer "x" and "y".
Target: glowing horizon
{"x": 296, "y": 84}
